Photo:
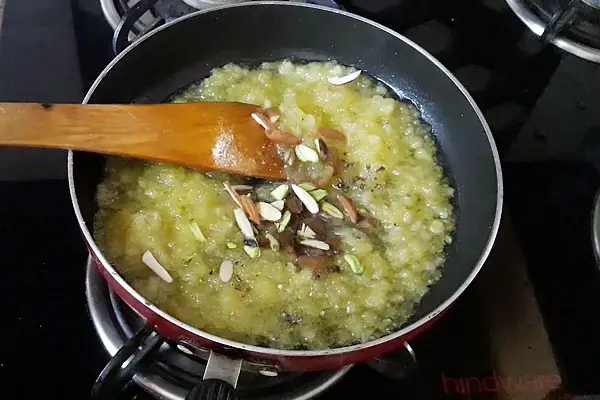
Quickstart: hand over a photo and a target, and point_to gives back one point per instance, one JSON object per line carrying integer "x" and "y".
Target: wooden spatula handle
{"x": 217, "y": 136}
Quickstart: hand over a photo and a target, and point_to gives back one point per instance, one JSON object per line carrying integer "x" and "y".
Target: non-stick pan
{"x": 186, "y": 50}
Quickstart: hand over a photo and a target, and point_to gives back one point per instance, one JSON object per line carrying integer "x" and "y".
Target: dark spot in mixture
{"x": 250, "y": 242}
{"x": 47, "y": 106}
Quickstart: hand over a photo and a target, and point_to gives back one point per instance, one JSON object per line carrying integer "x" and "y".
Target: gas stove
{"x": 526, "y": 64}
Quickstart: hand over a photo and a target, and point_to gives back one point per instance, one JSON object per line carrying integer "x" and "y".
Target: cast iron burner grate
{"x": 170, "y": 373}
{"x": 130, "y": 21}
{"x": 578, "y": 20}
{"x": 572, "y": 25}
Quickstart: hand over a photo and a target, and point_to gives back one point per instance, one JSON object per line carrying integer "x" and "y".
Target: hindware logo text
{"x": 499, "y": 384}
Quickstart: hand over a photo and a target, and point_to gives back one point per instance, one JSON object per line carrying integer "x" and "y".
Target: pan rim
{"x": 283, "y": 352}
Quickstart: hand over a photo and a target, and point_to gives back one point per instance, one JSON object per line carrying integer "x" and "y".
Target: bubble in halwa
{"x": 341, "y": 256}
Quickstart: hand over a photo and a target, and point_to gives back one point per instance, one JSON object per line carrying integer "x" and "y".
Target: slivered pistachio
{"x": 307, "y": 186}
{"x": 269, "y": 212}
{"x": 306, "y": 154}
{"x": 231, "y": 245}
{"x": 285, "y": 220}
{"x": 354, "y": 264}
{"x": 289, "y": 157}
{"x": 322, "y": 148}
{"x": 317, "y": 244}
{"x": 253, "y": 252}
{"x": 243, "y": 223}
{"x": 318, "y": 194}
{"x": 273, "y": 243}
{"x": 306, "y": 199}
{"x": 279, "y": 204}
{"x": 280, "y": 192}
{"x": 196, "y": 231}
{"x": 332, "y": 210}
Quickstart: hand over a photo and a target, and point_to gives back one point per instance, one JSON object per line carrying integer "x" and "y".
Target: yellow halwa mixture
{"x": 282, "y": 291}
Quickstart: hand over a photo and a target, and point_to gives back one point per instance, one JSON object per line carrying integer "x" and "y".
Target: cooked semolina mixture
{"x": 339, "y": 255}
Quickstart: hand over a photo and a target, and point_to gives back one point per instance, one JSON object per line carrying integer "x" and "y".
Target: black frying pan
{"x": 186, "y": 51}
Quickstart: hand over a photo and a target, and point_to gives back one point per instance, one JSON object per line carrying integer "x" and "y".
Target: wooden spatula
{"x": 210, "y": 136}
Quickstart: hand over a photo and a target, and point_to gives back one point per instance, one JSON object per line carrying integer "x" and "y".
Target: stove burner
{"x": 572, "y": 25}
{"x": 592, "y": 3}
{"x": 130, "y": 21}
{"x": 174, "y": 372}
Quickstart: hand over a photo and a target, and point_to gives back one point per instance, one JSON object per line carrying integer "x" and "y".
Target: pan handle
{"x": 220, "y": 379}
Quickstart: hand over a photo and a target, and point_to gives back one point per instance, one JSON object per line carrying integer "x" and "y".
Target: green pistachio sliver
{"x": 273, "y": 243}
{"x": 196, "y": 231}
{"x": 279, "y": 204}
{"x": 253, "y": 252}
{"x": 332, "y": 210}
{"x": 285, "y": 220}
{"x": 231, "y": 245}
{"x": 306, "y": 154}
{"x": 318, "y": 194}
{"x": 280, "y": 192}
{"x": 354, "y": 264}
{"x": 307, "y": 186}
{"x": 306, "y": 232}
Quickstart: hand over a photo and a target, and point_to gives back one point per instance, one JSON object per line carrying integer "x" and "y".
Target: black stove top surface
{"x": 49, "y": 347}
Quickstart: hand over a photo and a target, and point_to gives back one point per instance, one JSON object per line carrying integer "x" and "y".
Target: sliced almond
{"x": 279, "y": 136}
{"x": 234, "y": 195}
{"x": 269, "y": 212}
{"x": 243, "y": 223}
{"x": 342, "y": 80}
{"x": 226, "y": 271}
{"x": 251, "y": 209}
{"x": 273, "y": 114}
{"x": 151, "y": 262}
{"x": 330, "y": 133}
{"x": 349, "y": 208}
{"x": 306, "y": 199}
{"x": 317, "y": 244}
{"x": 262, "y": 120}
